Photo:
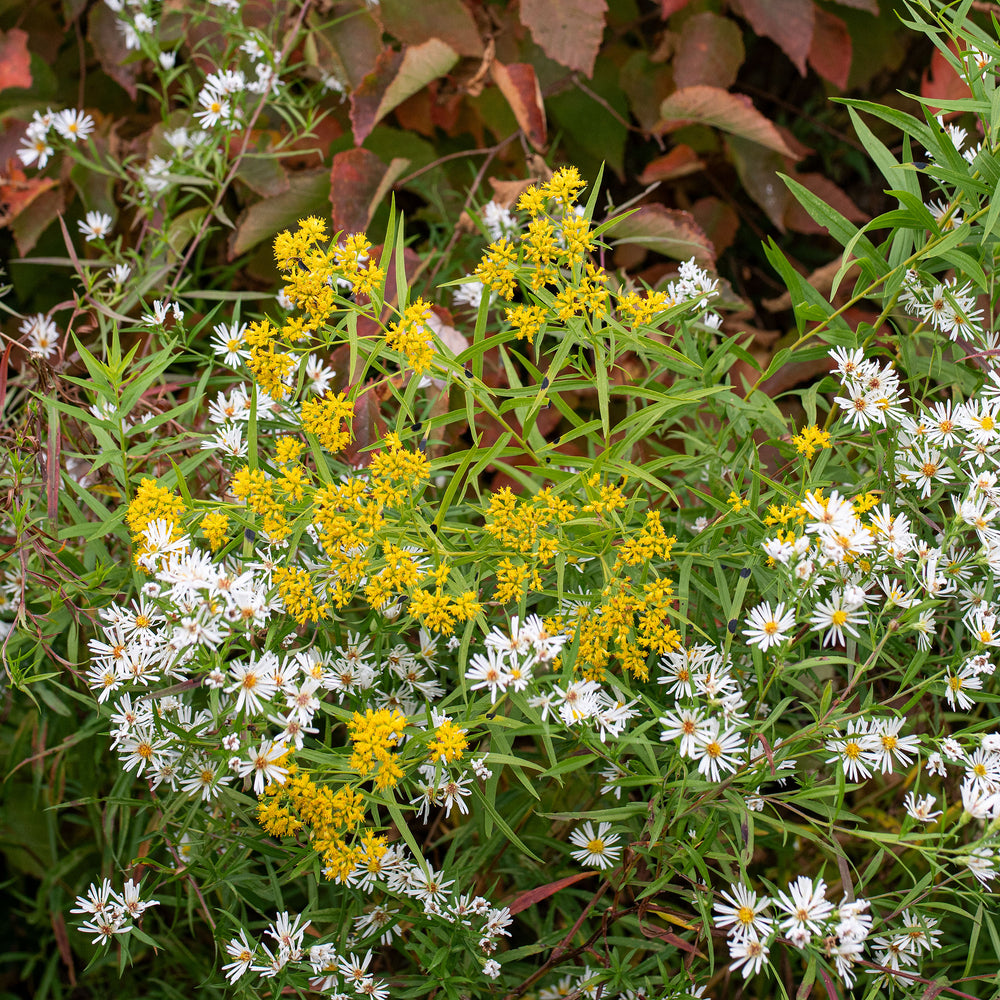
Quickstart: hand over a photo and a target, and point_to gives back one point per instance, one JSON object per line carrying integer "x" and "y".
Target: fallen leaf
{"x": 506, "y": 193}
{"x": 367, "y": 427}
{"x": 667, "y": 231}
{"x": 679, "y": 162}
{"x": 519, "y": 86}
{"x": 714, "y": 106}
{"x": 710, "y": 51}
{"x": 15, "y": 60}
{"x": 358, "y": 182}
{"x": 789, "y": 23}
{"x": 568, "y": 31}
{"x": 263, "y": 174}
{"x": 33, "y": 221}
{"x": 396, "y": 76}
{"x": 831, "y": 50}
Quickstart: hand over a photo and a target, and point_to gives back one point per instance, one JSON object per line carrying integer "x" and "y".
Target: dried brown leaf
{"x": 308, "y": 194}
{"x": 679, "y": 162}
{"x": 109, "y": 45}
{"x": 536, "y": 895}
{"x": 718, "y": 220}
{"x": 940, "y": 80}
{"x": 18, "y": 191}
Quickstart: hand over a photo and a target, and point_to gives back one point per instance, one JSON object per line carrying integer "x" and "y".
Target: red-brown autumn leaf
{"x": 714, "y": 106}
{"x": 108, "y": 44}
{"x": 15, "y": 60}
{"x": 871, "y": 6}
{"x": 416, "y": 23}
{"x": 308, "y": 194}
{"x": 679, "y": 162}
{"x": 36, "y": 218}
{"x": 568, "y": 31}
{"x": 800, "y": 221}
{"x": 789, "y": 23}
{"x": 18, "y": 191}
{"x": 710, "y": 50}
{"x": 940, "y": 80}
{"x": 666, "y": 231}
{"x": 519, "y": 86}
{"x": 358, "y": 182}
{"x": 536, "y": 895}
{"x": 396, "y": 76}
{"x": 831, "y": 50}
{"x": 718, "y": 220}
{"x": 349, "y": 47}
{"x": 668, "y": 7}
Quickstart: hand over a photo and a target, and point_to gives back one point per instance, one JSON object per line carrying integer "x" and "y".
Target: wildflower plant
{"x": 407, "y": 681}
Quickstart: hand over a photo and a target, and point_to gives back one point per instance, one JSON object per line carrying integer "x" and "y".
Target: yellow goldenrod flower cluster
{"x": 256, "y": 488}
{"x": 327, "y": 419}
{"x": 297, "y": 593}
{"x": 215, "y": 526}
{"x": 374, "y": 737}
{"x": 520, "y": 524}
{"x": 652, "y": 542}
{"x": 809, "y": 439}
{"x": 329, "y": 818}
{"x": 152, "y": 503}
{"x": 449, "y": 743}
{"x": 411, "y": 336}
{"x": 783, "y": 514}
{"x": 627, "y": 626}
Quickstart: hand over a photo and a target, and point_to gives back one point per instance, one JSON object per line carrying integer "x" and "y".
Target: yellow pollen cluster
{"x": 640, "y": 309}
